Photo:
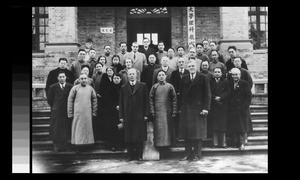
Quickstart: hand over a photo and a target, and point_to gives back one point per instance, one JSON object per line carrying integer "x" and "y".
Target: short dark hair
{"x": 60, "y": 72}
{"x": 199, "y": 44}
{"x": 217, "y": 68}
{"x": 231, "y": 47}
{"x": 89, "y": 40}
{"x": 62, "y": 59}
{"x": 80, "y": 50}
{"x": 161, "y": 42}
{"x": 98, "y": 63}
{"x": 180, "y": 47}
{"x": 83, "y": 66}
{"x": 115, "y": 56}
{"x": 216, "y": 51}
{"x": 160, "y": 71}
{"x": 122, "y": 43}
{"x": 102, "y": 56}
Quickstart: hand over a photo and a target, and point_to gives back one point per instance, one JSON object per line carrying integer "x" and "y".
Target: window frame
{"x": 257, "y": 13}
{"x": 36, "y": 37}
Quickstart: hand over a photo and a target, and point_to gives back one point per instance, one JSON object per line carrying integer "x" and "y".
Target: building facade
{"x": 61, "y": 31}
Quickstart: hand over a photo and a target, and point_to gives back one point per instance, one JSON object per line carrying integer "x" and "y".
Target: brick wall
{"x": 90, "y": 20}
{"x": 207, "y": 23}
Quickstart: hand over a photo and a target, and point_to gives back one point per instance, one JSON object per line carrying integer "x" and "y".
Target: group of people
{"x": 187, "y": 97}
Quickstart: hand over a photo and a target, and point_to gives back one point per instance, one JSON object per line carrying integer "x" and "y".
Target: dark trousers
{"x": 135, "y": 150}
{"x": 238, "y": 139}
{"x": 219, "y": 138}
{"x": 193, "y": 148}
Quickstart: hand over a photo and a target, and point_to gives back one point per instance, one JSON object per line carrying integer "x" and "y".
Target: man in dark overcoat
{"x": 53, "y": 74}
{"x": 217, "y": 116}
{"x": 60, "y": 126}
{"x": 133, "y": 112}
{"x": 195, "y": 104}
{"x": 239, "y": 103}
{"x": 175, "y": 79}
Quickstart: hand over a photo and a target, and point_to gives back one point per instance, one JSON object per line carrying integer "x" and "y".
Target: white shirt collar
{"x": 132, "y": 82}
{"x": 165, "y": 68}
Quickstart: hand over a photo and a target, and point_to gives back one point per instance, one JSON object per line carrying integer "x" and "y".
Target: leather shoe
{"x": 242, "y": 147}
{"x": 139, "y": 159}
{"x": 186, "y": 158}
{"x": 129, "y": 159}
{"x": 195, "y": 158}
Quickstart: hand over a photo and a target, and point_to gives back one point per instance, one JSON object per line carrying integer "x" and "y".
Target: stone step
{"x": 260, "y": 123}
{"x": 258, "y": 108}
{"x": 40, "y": 128}
{"x": 259, "y": 115}
{"x": 40, "y": 120}
{"x": 259, "y": 131}
{"x": 257, "y": 140}
{"x": 176, "y": 152}
{"x": 40, "y": 136}
{"x": 41, "y": 113}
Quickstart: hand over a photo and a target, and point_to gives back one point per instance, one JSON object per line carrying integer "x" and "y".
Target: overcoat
{"x": 82, "y": 105}
{"x": 147, "y": 75}
{"x": 134, "y": 105}
{"x": 239, "y": 102}
{"x": 219, "y": 109}
{"x": 163, "y": 103}
{"x": 59, "y": 122}
{"x": 195, "y": 96}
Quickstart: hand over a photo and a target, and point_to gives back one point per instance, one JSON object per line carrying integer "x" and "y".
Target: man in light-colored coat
{"x": 139, "y": 59}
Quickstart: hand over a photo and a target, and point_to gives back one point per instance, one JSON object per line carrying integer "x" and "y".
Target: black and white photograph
{"x": 140, "y": 90}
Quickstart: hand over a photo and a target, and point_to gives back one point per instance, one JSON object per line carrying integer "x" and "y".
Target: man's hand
{"x": 121, "y": 120}
{"x": 204, "y": 112}
{"x": 217, "y": 98}
{"x": 117, "y": 108}
{"x": 98, "y": 95}
{"x": 145, "y": 118}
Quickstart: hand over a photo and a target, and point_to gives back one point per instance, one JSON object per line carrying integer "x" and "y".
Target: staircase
{"x": 43, "y": 147}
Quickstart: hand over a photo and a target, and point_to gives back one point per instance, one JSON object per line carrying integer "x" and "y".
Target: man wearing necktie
{"x": 195, "y": 104}
{"x": 60, "y": 125}
{"x": 133, "y": 112}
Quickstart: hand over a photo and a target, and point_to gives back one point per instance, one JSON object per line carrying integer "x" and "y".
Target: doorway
{"x": 156, "y": 29}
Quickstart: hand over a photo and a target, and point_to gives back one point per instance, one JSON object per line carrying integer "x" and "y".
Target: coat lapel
{"x": 195, "y": 79}
{"x": 136, "y": 87}
{"x": 128, "y": 87}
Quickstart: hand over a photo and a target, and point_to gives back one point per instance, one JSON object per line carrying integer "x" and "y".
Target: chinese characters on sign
{"x": 191, "y": 25}
{"x": 106, "y": 30}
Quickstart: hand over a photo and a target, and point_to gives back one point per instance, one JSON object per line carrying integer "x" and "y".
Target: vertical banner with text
{"x": 191, "y": 25}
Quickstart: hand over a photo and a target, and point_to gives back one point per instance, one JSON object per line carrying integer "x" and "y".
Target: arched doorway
{"x": 151, "y": 22}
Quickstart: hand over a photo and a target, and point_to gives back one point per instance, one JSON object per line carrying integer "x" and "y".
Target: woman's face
{"x": 110, "y": 72}
{"x": 99, "y": 67}
{"x": 102, "y": 60}
{"x": 117, "y": 79}
{"x": 116, "y": 61}
{"x": 128, "y": 63}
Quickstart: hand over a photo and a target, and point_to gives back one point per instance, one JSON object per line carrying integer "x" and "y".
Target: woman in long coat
{"x": 163, "y": 107}
{"x": 217, "y": 116}
{"x": 114, "y": 136}
{"x": 82, "y": 106}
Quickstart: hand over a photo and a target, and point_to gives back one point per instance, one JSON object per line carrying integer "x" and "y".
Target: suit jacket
{"x": 168, "y": 74}
{"x": 52, "y": 77}
{"x": 229, "y": 65}
{"x": 139, "y": 62}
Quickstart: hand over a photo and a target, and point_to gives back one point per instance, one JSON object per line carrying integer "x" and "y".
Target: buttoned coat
{"x": 239, "y": 103}
{"x": 57, "y": 99}
{"x": 134, "y": 106}
{"x": 195, "y": 96}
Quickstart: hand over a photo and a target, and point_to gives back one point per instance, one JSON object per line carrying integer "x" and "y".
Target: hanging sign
{"x": 107, "y": 30}
{"x": 191, "y": 25}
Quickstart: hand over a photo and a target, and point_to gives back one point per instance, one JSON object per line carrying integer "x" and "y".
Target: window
{"x": 150, "y": 36}
{"x": 258, "y": 26}
{"x": 40, "y": 28}
{"x": 148, "y": 12}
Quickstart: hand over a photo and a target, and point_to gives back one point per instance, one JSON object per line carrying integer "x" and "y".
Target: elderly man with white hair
{"x": 238, "y": 112}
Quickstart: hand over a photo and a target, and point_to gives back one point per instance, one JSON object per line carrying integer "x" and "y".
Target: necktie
{"x": 134, "y": 56}
{"x": 62, "y": 87}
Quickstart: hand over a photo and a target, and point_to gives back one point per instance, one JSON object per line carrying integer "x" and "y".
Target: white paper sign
{"x": 191, "y": 25}
{"x": 107, "y": 30}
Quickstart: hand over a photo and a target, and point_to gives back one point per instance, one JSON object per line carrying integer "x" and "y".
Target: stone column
{"x": 63, "y": 36}
{"x": 234, "y": 31}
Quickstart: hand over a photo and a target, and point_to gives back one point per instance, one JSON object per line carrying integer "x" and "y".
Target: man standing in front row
{"x": 57, "y": 99}
{"x": 195, "y": 104}
{"x": 82, "y": 107}
{"x": 133, "y": 112}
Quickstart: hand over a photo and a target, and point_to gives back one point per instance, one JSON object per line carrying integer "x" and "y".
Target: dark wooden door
{"x": 159, "y": 26}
